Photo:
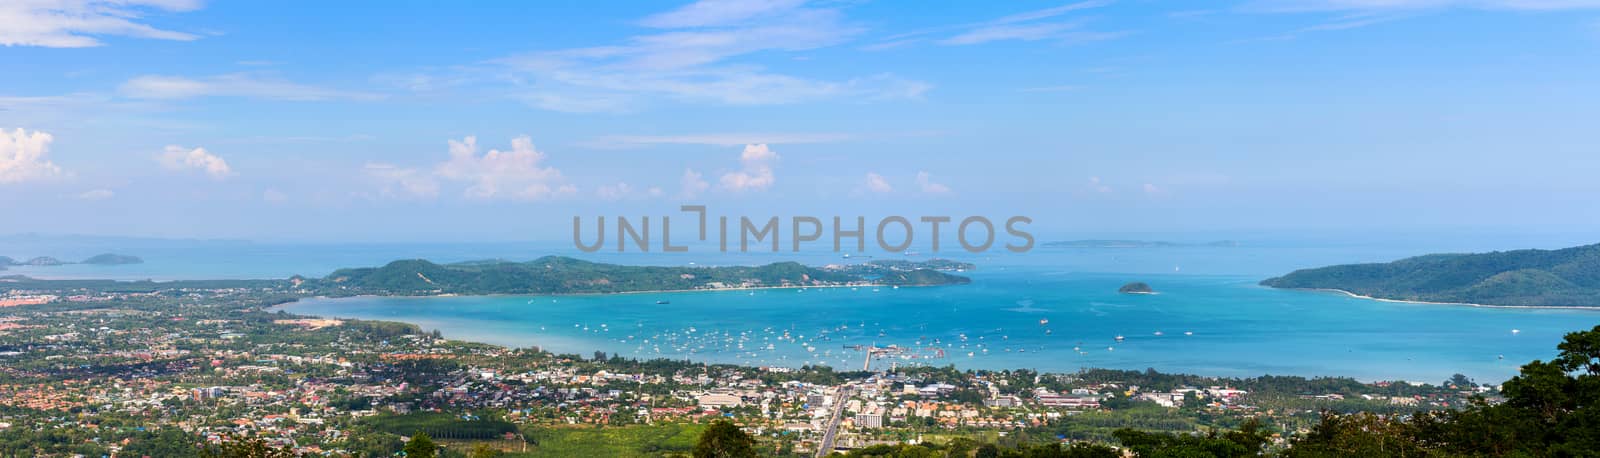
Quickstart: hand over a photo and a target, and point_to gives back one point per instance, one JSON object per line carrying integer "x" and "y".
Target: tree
{"x": 987, "y": 451}
{"x": 421, "y": 446}
{"x": 724, "y": 440}
{"x": 245, "y": 447}
{"x": 1460, "y": 381}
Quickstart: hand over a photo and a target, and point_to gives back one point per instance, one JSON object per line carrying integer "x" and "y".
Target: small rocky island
{"x": 113, "y": 259}
{"x": 1137, "y": 287}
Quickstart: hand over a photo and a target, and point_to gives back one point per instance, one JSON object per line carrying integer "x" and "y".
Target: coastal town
{"x": 111, "y": 369}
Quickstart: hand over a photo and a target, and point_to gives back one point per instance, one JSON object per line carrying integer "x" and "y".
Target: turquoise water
{"x": 1238, "y": 328}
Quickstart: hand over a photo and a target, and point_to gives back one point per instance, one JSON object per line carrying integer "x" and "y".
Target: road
{"x": 826, "y": 447}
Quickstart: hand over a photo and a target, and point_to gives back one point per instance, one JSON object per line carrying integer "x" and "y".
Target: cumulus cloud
{"x": 518, "y": 173}
{"x": 234, "y": 85}
{"x": 756, "y": 172}
{"x": 178, "y": 158}
{"x": 876, "y": 183}
{"x": 76, "y": 23}
{"x": 395, "y": 181}
{"x": 928, "y": 186}
{"x": 692, "y": 184}
{"x": 23, "y": 157}
{"x": 617, "y": 191}
{"x": 1152, "y": 189}
{"x": 97, "y": 194}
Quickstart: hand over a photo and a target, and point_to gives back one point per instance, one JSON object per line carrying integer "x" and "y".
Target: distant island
{"x": 100, "y": 259}
{"x": 1565, "y": 277}
{"x": 113, "y": 259}
{"x": 564, "y": 275}
{"x": 1135, "y": 244}
{"x": 1137, "y": 287}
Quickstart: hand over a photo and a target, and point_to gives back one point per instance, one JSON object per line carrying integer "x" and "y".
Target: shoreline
{"x": 1467, "y": 304}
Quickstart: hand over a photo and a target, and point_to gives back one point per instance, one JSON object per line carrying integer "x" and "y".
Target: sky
{"x": 473, "y": 121}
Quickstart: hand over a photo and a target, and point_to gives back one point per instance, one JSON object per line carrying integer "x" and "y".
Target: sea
{"x": 1052, "y": 309}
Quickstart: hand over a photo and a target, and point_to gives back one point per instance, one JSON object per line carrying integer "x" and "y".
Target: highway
{"x": 826, "y": 447}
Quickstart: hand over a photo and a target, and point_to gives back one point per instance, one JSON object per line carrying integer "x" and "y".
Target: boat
{"x": 1121, "y": 338}
{"x": 1043, "y": 321}
{"x": 1188, "y": 333}
{"x": 663, "y": 302}
{"x": 1159, "y": 333}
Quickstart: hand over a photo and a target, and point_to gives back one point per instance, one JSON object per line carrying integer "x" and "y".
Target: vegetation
{"x": 1136, "y": 288}
{"x": 1551, "y": 409}
{"x": 1568, "y": 277}
{"x": 563, "y": 275}
{"x": 421, "y": 446}
{"x": 724, "y": 440}
{"x": 443, "y": 426}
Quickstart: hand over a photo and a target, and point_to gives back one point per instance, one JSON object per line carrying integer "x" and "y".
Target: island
{"x": 564, "y": 275}
{"x": 113, "y": 259}
{"x": 7, "y": 261}
{"x": 1137, "y": 287}
{"x": 43, "y": 261}
{"x": 1566, "y": 277}
{"x": 1135, "y": 244}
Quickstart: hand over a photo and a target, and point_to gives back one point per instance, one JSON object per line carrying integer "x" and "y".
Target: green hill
{"x": 563, "y": 275}
{"x": 1568, "y": 276}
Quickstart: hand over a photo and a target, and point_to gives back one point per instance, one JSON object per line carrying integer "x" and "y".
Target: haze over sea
{"x": 1021, "y": 311}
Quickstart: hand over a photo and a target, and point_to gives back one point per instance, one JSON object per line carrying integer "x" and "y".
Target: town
{"x": 163, "y": 369}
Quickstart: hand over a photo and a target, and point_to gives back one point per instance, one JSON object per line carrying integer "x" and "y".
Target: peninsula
{"x": 1565, "y": 277}
{"x": 564, "y": 275}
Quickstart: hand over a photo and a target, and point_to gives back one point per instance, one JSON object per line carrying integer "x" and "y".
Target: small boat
{"x": 1188, "y": 333}
{"x": 663, "y": 302}
{"x": 1121, "y": 338}
{"x": 1159, "y": 333}
{"x": 1043, "y": 321}
{"x": 1516, "y": 331}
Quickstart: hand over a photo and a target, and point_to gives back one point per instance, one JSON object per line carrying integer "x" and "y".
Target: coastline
{"x": 1467, "y": 304}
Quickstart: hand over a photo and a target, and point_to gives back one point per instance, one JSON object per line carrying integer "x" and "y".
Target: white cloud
{"x": 97, "y": 194}
{"x": 614, "y": 192}
{"x": 1033, "y": 25}
{"x": 706, "y": 13}
{"x": 717, "y": 139}
{"x": 756, "y": 172}
{"x": 692, "y": 184}
{"x": 1022, "y": 32}
{"x": 274, "y": 196}
{"x": 232, "y": 85}
{"x": 1099, "y": 186}
{"x": 76, "y": 23}
{"x": 876, "y": 183}
{"x": 1302, "y": 6}
{"x": 178, "y": 158}
{"x": 518, "y": 173}
{"x": 395, "y": 181}
{"x": 23, "y": 157}
{"x": 928, "y": 186}
{"x": 690, "y": 58}
{"x": 1152, "y": 189}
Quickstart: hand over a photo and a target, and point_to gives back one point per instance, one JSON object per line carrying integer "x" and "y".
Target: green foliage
{"x": 1551, "y": 409}
{"x": 724, "y": 440}
{"x": 442, "y": 425}
{"x": 245, "y": 447}
{"x": 421, "y": 446}
{"x": 1524, "y": 277}
{"x": 562, "y": 275}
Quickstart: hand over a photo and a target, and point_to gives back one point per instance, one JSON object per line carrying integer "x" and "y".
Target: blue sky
{"x": 503, "y": 120}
